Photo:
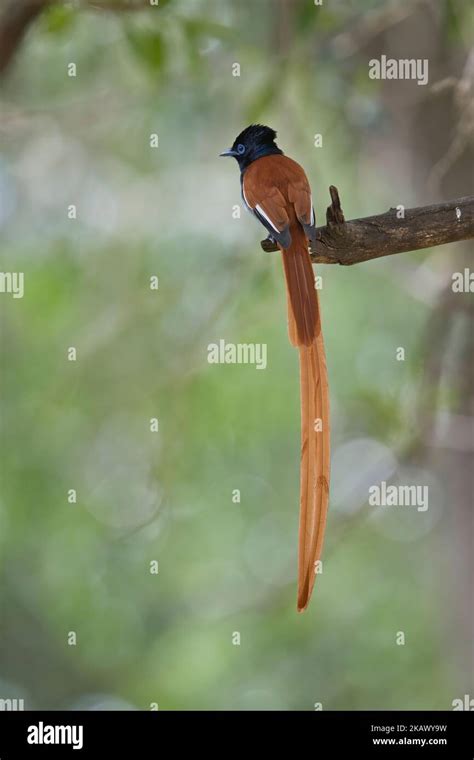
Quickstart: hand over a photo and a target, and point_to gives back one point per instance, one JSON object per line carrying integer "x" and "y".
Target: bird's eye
{"x": 240, "y": 149}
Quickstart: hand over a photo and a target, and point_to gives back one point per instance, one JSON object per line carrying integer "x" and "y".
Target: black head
{"x": 254, "y": 142}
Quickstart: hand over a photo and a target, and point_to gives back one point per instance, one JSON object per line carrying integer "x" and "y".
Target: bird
{"x": 276, "y": 190}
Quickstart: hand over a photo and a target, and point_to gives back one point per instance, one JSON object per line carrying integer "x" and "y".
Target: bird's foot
{"x": 269, "y": 244}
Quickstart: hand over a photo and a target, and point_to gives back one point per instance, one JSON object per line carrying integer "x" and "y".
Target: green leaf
{"x": 148, "y": 46}
{"x": 59, "y": 18}
{"x": 206, "y": 28}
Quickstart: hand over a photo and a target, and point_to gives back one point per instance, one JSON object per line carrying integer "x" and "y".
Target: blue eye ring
{"x": 240, "y": 149}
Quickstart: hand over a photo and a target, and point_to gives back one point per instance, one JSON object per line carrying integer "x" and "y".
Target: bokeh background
{"x": 227, "y": 567}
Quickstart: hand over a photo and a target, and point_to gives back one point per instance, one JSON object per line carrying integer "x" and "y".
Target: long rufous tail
{"x": 304, "y": 327}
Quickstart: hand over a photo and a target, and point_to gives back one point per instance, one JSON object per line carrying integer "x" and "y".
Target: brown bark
{"x": 341, "y": 242}
{"x": 15, "y": 20}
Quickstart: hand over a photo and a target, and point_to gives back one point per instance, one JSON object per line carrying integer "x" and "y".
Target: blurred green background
{"x": 228, "y": 567}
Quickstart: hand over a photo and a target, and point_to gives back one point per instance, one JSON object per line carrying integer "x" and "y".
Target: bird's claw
{"x": 269, "y": 244}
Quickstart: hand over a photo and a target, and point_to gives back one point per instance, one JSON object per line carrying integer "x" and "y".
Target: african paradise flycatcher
{"x": 276, "y": 190}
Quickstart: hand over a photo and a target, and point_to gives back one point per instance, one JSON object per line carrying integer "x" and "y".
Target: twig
{"x": 372, "y": 23}
{"x": 118, "y": 6}
{"x": 463, "y": 97}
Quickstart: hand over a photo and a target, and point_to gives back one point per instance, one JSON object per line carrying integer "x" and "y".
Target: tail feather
{"x": 315, "y": 464}
{"x": 305, "y": 332}
{"x": 303, "y": 314}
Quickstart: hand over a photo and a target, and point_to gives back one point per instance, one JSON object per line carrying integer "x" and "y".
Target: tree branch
{"x": 120, "y": 6}
{"x": 341, "y": 242}
{"x": 18, "y": 15}
{"x": 15, "y": 20}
